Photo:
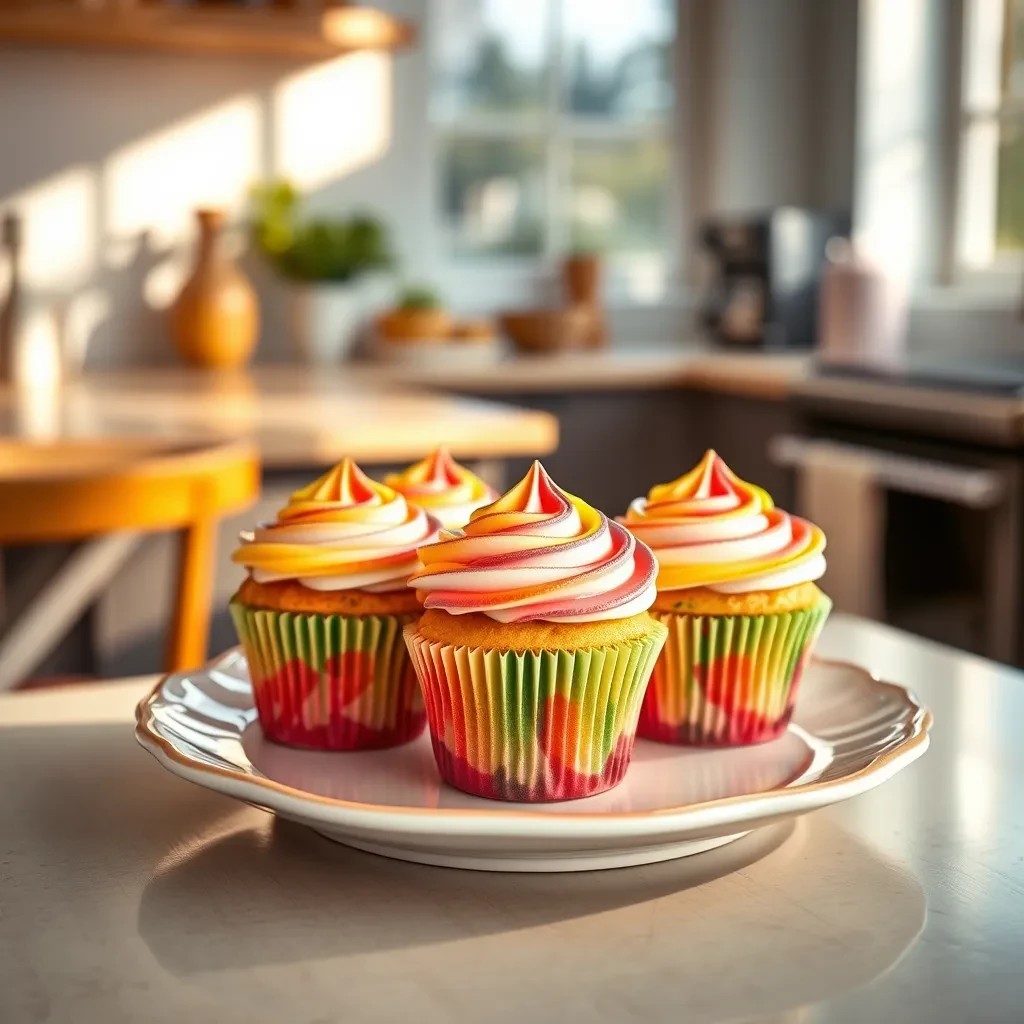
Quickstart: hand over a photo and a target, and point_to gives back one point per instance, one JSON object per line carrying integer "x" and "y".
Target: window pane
{"x": 1015, "y": 50}
{"x": 618, "y": 200}
{"x": 492, "y": 56}
{"x": 619, "y": 57}
{"x": 494, "y": 195}
{"x": 1010, "y": 201}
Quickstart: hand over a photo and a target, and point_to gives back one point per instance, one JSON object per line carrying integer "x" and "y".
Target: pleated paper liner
{"x": 331, "y": 682}
{"x": 536, "y": 725}
{"x": 729, "y": 680}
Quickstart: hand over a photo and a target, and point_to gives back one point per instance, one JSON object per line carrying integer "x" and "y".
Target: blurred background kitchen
{"x": 240, "y": 240}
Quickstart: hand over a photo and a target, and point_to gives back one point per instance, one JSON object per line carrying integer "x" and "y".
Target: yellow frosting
{"x": 443, "y": 487}
{"x": 342, "y": 531}
{"x": 709, "y": 528}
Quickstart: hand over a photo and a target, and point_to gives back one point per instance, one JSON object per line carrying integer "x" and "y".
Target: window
{"x": 553, "y": 122}
{"x": 990, "y": 230}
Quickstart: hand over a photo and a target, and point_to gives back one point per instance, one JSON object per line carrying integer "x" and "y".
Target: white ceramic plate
{"x": 850, "y": 733}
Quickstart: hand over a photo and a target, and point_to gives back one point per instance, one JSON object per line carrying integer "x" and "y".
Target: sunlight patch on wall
{"x": 164, "y": 281}
{"x": 38, "y": 357}
{"x": 58, "y": 217}
{"x": 332, "y": 119}
{"x": 211, "y": 159}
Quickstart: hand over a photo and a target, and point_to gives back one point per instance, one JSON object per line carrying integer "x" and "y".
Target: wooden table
{"x": 301, "y": 421}
{"x": 298, "y": 417}
{"x": 130, "y": 895}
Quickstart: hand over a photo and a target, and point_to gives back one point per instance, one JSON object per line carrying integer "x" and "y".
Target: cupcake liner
{"x": 331, "y": 682}
{"x": 729, "y": 680}
{"x": 536, "y": 725}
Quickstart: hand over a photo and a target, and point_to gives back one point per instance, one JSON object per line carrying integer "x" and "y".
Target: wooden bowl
{"x": 415, "y": 325}
{"x": 547, "y": 330}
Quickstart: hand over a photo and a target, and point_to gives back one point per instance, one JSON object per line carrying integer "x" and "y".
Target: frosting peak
{"x": 443, "y": 487}
{"x": 345, "y": 484}
{"x": 538, "y": 553}
{"x": 342, "y": 532}
{"x": 711, "y": 529}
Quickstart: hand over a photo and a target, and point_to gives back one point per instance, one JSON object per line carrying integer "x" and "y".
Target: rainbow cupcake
{"x": 439, "y": 485}
{"x": 321, "y": 615}
{"x": 736, "y": 590}
{"x": 536, "y": 646}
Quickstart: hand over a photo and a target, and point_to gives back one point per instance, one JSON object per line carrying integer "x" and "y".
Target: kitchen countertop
{"x": 131, "y": 895}
{"x": 692, "y": 365}
{"x": 298, "y": 417}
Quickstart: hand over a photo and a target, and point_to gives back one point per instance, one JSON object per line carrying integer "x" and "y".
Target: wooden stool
{"x": 107, "y": 494}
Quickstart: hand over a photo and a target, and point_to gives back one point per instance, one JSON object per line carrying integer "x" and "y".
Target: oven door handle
{"x": 958, "y": 485}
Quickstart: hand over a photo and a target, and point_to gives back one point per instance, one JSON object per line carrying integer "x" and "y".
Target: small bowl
{"x": 411, "y": 326}
{"x": 547, "y": 330}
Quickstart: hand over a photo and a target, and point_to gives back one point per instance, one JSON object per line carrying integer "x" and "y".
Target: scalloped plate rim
{"x": 714, "y": 817}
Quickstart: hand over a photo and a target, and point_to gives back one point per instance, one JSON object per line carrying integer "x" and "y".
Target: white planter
{"x": 326, "y": 320}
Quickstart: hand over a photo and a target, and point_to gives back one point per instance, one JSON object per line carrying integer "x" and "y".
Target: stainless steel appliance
{"x": 946, "y": 439}
{"x": 765, "y": 275}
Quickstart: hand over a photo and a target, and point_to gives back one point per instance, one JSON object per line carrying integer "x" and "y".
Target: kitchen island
{"x": 132, "y": 895}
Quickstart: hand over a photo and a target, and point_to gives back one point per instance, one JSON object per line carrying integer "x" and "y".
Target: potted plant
{"x": 332, "y": 267}
{"x": 418, "y": 316}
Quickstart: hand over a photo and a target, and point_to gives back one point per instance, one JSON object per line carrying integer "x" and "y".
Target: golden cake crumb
{"x": 292, "y": 596}
{"x": 703, "y": 601}
{"x": 477, "y": 630}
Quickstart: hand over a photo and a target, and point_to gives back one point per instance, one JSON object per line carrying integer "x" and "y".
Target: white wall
{"x": 106, "y": 155}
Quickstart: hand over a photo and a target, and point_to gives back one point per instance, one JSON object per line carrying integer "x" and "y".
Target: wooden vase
{"x": 215, "y": 319}
{"x": 581, "y": 281}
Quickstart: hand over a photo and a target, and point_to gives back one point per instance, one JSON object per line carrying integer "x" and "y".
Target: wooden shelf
{"x": 278, "y": 32}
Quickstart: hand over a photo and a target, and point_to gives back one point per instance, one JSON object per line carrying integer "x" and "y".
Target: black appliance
{"x": 1000, "y": 377}
{"x": 766, "y": 272}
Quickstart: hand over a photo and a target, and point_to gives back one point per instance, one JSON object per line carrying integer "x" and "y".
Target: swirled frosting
{"x": 711, "y": 529}
{"x": 538, "y": 553}
{"x": 342, "y": 532}
{"x": 443, "y": 487}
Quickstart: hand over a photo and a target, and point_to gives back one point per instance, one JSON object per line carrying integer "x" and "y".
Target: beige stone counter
{"x": 130, "y": 895}
{"x": 298, "y": 417}
{"x": 756, "y": 374}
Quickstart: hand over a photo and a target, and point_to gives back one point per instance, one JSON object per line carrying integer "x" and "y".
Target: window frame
{"x": 1001, "y": 275}
{"x": 557, "y": 129}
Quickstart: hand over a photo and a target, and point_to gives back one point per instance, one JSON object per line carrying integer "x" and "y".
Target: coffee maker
{"x": 766, "y": 269}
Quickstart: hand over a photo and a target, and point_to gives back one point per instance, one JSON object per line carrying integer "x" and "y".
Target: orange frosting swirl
{"x": 711, "y": 529}
{"x": 447, "y": 490}
{"x": 538, "y": 553}
{"x": 342, "y": 532}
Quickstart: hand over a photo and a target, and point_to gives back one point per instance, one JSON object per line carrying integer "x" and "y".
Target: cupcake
{"x": 535, "y": 647}
{"x": 448, "y": 491}
{"x": 321, "y": 614}
{"x": 736, "y": 591}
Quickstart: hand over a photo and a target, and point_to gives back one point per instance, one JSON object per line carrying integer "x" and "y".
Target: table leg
{"x": 190, "y": 626}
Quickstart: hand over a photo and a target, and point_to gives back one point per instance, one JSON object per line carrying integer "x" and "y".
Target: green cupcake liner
{"x": 331, "y": 682}
{"x": 729, "y": 680}
{"x": 535, "y": 725}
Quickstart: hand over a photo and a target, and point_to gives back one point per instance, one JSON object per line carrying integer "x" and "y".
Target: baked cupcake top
{"x": 342, "y": 532}
{"x": 711, "y": 529}
{"x": 538, "y": 554}
{"x": 448, "y": 491}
